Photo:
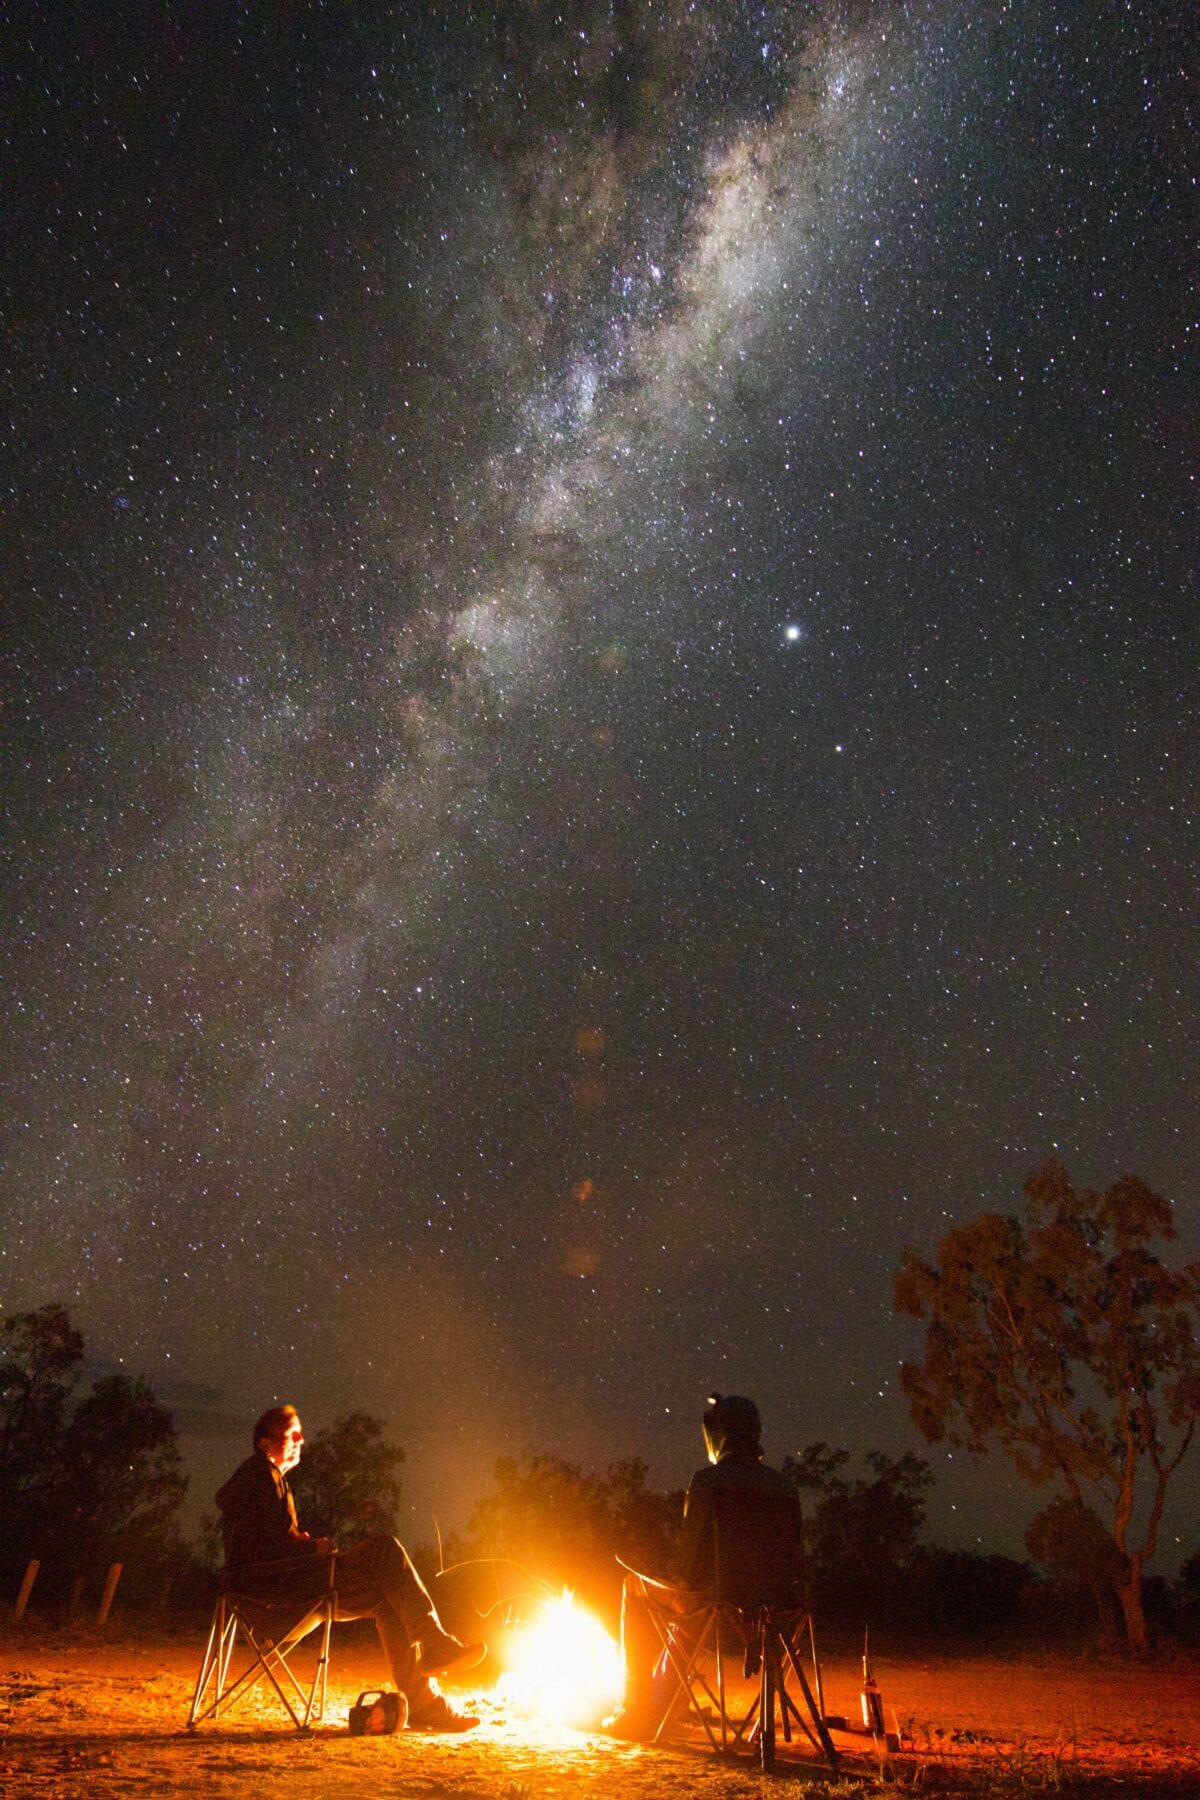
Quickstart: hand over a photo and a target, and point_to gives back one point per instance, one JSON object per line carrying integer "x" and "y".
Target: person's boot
{"x": 634, "y": 1722}
{"x": 437, "y": 1714}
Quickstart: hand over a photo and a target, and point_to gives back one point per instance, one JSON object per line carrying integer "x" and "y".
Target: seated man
{"x": 739, "y": 1486}
{"x": 266, "y": 1554}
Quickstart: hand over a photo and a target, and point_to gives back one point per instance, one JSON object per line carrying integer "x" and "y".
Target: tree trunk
{"x": 1130, "y": 1595}
{"x": 1106, "y": 1613}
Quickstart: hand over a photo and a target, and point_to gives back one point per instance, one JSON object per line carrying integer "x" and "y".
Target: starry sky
{"x": 597, "y": 710}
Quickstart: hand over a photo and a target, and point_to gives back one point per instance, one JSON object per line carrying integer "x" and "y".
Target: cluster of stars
{"x": 596, "y": 715}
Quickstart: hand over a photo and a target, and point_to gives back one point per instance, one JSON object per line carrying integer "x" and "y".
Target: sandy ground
{"x": 102, "y": 1718}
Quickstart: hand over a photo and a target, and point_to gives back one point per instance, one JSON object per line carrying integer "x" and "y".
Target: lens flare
{"x": 563, "y": 1668}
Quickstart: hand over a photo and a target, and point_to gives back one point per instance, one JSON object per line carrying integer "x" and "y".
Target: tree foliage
{"x": 40, "y": 1354}
{"x": 1064, "y": 1340}
{"x": 347, "y": 1482}
{"x": 861, "y": 1534}
{"x": 84, "y": 1479}
{"x": 548, "y": 1523}
{"x": 1186, "y": 1598}
{"x": 122, "y": 1478}
{"x": 1073, "y": 1544}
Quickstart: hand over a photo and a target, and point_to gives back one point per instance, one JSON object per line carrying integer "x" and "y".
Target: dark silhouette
{"x": 268, "y": 1556}
{"x": 83, "y": 1481}
{"x": 734, "y": 1482}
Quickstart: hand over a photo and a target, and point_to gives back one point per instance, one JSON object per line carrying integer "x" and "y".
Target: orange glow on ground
{"x": 563, "y": 1667}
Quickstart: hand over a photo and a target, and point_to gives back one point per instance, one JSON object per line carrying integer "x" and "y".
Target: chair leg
{"x": 766, "y": 1708}
{"x": 671, "y": 1708}
{"x": 214, "y": 1670}
{"x": 818, "y": 1683}
{"x": 250, "y": 1678}
{"x": 317, "y": 1691}
{"x": 785, "y": 1708}
{"x": 212, "y": 1658}
{"x": 229, "y": 1631}
{"x": 687, "y": 1670}
{"x": 269, "y": 1659}
{"x": 818, "y": 1717}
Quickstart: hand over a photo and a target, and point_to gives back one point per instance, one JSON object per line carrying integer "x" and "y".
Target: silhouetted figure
{"x": 735, "y": 1482}
{"x": 267, "y": 1555}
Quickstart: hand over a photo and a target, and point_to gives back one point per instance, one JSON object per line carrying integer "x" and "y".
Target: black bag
{"x": 377, "y": 1713}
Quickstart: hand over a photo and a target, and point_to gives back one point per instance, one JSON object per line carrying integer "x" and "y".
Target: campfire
{"x": 563, "y": 1667}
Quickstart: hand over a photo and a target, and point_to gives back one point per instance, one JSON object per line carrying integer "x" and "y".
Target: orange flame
{"x": 564, "y": 1668}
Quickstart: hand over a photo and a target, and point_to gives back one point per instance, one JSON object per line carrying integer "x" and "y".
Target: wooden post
{"x": 22, "y": 1600}
{"x": 164, "y": 1594}
{"x": 76, "y": 1597}
{"x": 110, "y": 1588}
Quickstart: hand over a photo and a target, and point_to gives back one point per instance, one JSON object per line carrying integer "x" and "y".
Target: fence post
{"x": 110, "y": 1588}
{"x": 22, "y": 1599}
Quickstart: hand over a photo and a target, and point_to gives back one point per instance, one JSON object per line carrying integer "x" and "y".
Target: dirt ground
{"x": 91, "y": 1717}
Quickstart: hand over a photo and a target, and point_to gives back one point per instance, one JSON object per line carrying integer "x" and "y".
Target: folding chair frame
{"x": 216, "y": 1693}
{"x": 766, "y": 1640}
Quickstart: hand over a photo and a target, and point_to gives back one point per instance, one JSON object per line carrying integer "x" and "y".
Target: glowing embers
{"x": 563, "y": 1667}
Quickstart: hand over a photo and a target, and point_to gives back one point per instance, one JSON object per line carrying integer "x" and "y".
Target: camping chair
{"x": 270, "y": 1629}
{"x": 755, "y": 1617}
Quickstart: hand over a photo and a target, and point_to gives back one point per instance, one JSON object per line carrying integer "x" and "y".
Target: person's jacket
{"x": 258, "y": 1521}
{"x": 741, "y": 1529}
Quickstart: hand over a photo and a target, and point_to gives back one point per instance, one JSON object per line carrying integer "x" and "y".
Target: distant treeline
{"x": 86, "y": 1478}
{"x": 93, "y": 1476}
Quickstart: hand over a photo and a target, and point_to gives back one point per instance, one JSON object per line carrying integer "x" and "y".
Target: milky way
{"x": 596, "y": 713}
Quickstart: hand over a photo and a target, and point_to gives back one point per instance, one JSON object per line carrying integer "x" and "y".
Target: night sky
{"x": 599, "y": 628}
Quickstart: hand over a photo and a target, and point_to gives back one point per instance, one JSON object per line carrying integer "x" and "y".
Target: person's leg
{"x": 647, "y": 1685}
{"x": 640, "y": 1645}
{"x": 370, "y": 1578}
{"x": 650, "y": 1679}
{"x": 376, "y": 1579}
